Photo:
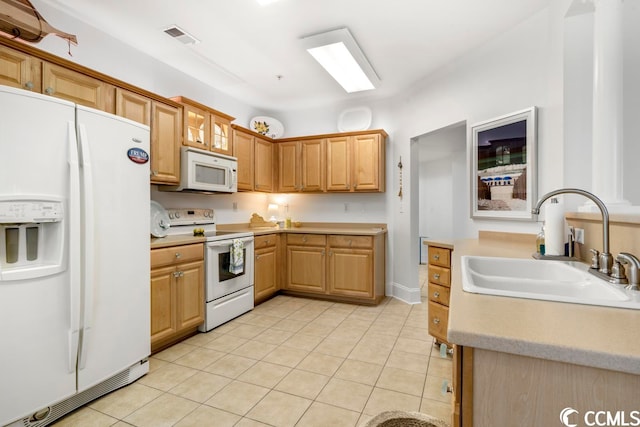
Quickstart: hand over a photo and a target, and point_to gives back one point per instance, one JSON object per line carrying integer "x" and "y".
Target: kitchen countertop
{"x": 163, "y": 242}
{"x": 360, "y": 229}
{"x": 601, "y": 337}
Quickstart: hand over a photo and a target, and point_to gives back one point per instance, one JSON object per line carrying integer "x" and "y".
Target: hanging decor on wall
{"x": 400, "y": 175}
{"x": 503, "y": 161}
{"x": 19, "y": 19}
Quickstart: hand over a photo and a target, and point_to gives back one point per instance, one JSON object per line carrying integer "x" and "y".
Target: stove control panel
{"x": 195, "y": 216}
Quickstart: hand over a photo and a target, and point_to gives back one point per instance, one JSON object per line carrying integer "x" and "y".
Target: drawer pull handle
{"x": 304, "y": 239}
{"x": 436, "y": 294}
{"x": 178, "y": 274}
{"x": 178, "y": 255}
{"x": 436, "y": 276}
{"x": 436, "y": 320}
{"x": 436, "y": 257}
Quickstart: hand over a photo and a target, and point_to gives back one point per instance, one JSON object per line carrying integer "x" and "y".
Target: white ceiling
{"x": 245, "y": 46}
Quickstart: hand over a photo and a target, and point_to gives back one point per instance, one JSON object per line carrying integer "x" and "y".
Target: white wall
{"x": 442, "y": 183}
{"x": 520, "y": 68}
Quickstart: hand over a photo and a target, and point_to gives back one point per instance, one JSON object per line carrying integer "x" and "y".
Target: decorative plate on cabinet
{"x": 267, "y": 126}
{"x": 159, "y": 220}
{"x": 354, "y": 119}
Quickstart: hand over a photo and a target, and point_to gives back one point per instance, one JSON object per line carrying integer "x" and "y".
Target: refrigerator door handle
{"x": 88, "y": 245}
{"x": 74, "y": 221}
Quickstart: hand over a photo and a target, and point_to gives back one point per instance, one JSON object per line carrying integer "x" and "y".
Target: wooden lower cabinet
{"x": 439, "y": 285}
{"x": 494, "y": 388}
{"x": 177, "y": 293}
{"x": 266, "y": 267}
{"x": 306, "y": 263}
{"x": 340, "y": 267}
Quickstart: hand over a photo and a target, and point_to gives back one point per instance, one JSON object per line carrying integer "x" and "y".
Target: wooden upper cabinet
{"x": 301, "y": 165}
{"x": 312, "y": 165}
{"x": 197, "y": 131}
{"x": 221, "y": 135}
{"x": 133, "y": 106}
{"x": 263, "y": 165}
{"x": 338, "y": 164}
{"x": 166, "y": 131}
{"x": 76, "y": 87}
{"x": 206, "y": 128}
{"x": 243, "y": 151}
{"x": 367, "y": 163}
{"x": 288, "y": 166}
{"x": 356, "y": 162}
{"x": 20, "y": 70}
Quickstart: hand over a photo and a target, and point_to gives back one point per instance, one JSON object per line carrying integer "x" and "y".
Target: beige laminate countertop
{"x": 341, "y": 228}
{"x": 359, "y": 229}
{"x": 601, "y": 337}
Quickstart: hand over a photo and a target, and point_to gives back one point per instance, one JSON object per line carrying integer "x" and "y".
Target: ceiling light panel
{"x": 339, "y": 54}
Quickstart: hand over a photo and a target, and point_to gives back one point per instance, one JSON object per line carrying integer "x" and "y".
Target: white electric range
{"x": 227, "y": 295}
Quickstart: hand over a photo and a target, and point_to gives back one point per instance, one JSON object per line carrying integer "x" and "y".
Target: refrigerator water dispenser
{"x": 31, "y": 238}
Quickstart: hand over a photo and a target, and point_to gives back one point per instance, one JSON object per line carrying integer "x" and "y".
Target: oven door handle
{"x": 228, "y": 242}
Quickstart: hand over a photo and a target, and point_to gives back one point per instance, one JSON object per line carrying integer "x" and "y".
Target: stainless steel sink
{"x": 563, "y": 281}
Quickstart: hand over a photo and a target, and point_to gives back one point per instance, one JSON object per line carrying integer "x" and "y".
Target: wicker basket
{"x": 404, "y": 419}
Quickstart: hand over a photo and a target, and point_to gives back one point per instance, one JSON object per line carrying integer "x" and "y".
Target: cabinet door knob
{"x": 178, "y": 274}
{"x": 28, "y": 85}
{"x": 436, "y": 294}
{"x": 49, "y": 91}
{"x": 436, "y": 320}
{"x": 436, "y": 276}
{"x": 436, "y": 257}
{"x": 257, "y": 256}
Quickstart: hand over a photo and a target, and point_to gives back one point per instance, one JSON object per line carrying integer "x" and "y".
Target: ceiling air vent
{"x": 181, "y": 35}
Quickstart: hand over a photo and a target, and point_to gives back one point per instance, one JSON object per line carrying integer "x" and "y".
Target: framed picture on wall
{"x": 503, "y": 166}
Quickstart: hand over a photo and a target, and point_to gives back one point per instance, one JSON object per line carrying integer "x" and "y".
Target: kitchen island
{"x": 521, "y": 361}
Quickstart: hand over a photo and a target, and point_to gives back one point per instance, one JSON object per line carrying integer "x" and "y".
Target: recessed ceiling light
{"x": 339, "y": 54}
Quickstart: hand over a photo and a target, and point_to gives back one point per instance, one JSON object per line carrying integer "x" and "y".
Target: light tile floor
{"x": 289, "y": 362}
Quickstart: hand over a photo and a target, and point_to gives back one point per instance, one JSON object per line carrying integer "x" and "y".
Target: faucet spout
{"x": 606, "y": 260}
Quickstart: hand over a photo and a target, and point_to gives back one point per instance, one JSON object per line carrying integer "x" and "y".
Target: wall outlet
{"x": 579, "y": 235}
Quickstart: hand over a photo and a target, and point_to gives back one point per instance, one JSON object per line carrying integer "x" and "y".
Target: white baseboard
{"x": 403, "y": 293}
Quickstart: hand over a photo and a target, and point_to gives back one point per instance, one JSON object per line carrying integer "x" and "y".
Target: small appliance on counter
{"x": 228, "y": 281}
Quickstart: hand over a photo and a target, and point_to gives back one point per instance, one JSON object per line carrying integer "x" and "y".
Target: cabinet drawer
{"x": 439, "y": 256}
{"x": 307, "y": 239}
{"x": 438, "y": 320}
{"x": 439, "y": 294}
{"x": 439, "y": 275}
{"x": 176, "y": 254}
{"x": 265, "y": 241}
{"x": 351, "y": 241}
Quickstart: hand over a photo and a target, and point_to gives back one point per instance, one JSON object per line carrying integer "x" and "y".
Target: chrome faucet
{"x": 605, "y": 260}
{"x": 633, "y": 265}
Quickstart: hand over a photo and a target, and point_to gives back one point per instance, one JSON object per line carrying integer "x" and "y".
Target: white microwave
{"x": 205, "y": 171}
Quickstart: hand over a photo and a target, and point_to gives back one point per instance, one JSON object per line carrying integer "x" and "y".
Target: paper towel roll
{"x": 554, "y": 228}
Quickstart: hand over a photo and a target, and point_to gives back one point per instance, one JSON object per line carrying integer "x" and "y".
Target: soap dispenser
{"x": 540, "y": 241}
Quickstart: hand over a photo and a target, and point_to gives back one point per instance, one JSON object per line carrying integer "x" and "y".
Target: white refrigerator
{"x": 74, "y": 255}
